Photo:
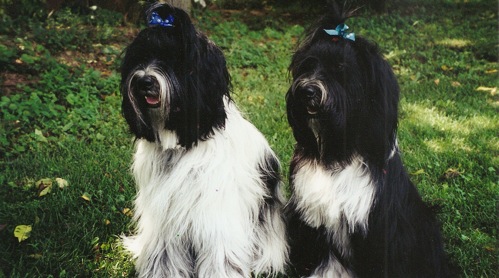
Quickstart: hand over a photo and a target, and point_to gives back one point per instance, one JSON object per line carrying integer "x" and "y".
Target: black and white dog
{"x": 208, "y": 198}
{"x": 353, "y": 211}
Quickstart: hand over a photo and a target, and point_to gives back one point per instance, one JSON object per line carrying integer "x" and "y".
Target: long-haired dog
{"x": 353, "y": 211}
{"x": 208, "y": 198}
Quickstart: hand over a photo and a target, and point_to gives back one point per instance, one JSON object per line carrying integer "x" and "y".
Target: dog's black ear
{"x": 383, "y": 96}
{"x": 207, "y": 82}
{"x": 298, "y": 122}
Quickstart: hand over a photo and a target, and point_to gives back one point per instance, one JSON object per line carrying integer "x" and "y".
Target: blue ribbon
{"x": 340, "y": 31}
{"x": 158, "y": 20}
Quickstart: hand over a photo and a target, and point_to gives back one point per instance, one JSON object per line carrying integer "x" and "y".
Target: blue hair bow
{"x": 340, "y": 31}
{"x": 158, "y": 20}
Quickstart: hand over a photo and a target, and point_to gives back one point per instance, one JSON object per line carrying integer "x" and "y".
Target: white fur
{"x": 333, "y": 269}
{"x": 339, "y": 199}
{"x": 197, "y": 210}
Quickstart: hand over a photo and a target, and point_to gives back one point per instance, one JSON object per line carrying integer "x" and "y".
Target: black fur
{"x": 197, "y": 65}
{"x": 357, "y": 119}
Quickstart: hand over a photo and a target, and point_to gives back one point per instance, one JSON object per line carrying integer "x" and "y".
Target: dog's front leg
{"x": 160, "y": 259}
{"x": 222, "y": 246}
{"x": 271, "y": 244}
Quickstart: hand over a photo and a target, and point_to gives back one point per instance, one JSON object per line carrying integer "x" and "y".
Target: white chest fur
{"x": 338, "y": 199}
{"x": 175, "y": 185}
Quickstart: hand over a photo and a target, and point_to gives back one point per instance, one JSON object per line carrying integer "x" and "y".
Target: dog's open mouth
{"x": 153, "y": 101}
{"x": 312, "y": 110}
{"x": 312, "y": 106}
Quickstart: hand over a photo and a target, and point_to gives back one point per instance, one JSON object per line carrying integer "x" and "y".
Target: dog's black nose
{"x": 307, "y": 92}
{"x": 145, "y": 82}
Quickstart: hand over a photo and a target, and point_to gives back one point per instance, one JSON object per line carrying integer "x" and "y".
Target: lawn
{"x": 65, "y": 151}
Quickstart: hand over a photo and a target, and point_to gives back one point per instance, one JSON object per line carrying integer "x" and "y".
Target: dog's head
{"x": 344, "y": 96}
{"x": 173, "y": 77}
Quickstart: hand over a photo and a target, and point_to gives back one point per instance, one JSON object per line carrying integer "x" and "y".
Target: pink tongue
{"x": 152, "y": 100}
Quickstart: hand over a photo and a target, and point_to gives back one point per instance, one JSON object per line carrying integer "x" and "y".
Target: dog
{"x": 353, "y": 211}
{"x": 209, "y": 200}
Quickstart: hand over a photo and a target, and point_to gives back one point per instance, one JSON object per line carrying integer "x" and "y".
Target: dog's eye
{"x": 339, "y": 67}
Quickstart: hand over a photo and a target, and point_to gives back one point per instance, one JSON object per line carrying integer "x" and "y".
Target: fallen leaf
{"x": 450, "y": 173}
{"x": 455, "y": 84}
{"x": 44, "y": 187}
{"x": 62, "y": 183}
{"x": 490, "y": 71}
{"x": 107, "y": 222}
{"x": 40, "y": 137}
{"x": 445, "y": 68}
{"x": 490, "y": 248}
{"x": 22, "y": 232}
{"x": 485, "y": 89}
{"x": 491, "y": 90}
{"x": 437, "y": 81}
{"x": 418, "y": 172}
{"x": 87, "y": 197}
{"x": 36, "y": 256}
{"x": 128, "y": 212}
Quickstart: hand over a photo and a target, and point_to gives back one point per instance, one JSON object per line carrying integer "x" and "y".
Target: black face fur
{"x": 192, "y": 72}
{"x": 344, "y": 97}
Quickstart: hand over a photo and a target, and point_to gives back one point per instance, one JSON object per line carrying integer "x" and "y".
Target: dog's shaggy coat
{"x": 353, "y": 210}
{"x": 208, "y": 198}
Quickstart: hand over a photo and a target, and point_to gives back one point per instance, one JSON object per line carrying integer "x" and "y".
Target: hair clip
{"x": 340, "y": 31}
{"x": 156, "y": 20}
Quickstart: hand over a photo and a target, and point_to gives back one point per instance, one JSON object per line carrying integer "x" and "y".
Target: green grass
{"x": 62, "y": 120}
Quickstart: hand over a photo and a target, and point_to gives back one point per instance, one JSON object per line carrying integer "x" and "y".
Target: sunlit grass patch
{"x": 454, "y": 43}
